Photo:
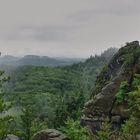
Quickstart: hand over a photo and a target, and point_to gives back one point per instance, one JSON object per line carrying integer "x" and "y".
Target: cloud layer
{"x": 75, "y": 28}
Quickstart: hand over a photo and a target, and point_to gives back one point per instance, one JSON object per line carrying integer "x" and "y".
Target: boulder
{"x": 116, "y": 119}
{"x": 49, "y": 134}
{"x": 138, "y": 137}
{"x": 12, "y": 137}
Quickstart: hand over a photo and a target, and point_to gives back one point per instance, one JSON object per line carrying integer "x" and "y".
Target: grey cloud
{"x": 110, "y": 8}
{"x": 42, "y": 33}
{"x": 67, "y": 27}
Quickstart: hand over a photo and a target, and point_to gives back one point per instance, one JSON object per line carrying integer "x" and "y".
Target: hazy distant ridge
{"x": 36, "y": 60}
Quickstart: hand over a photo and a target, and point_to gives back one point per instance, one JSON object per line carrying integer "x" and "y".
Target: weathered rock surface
{"x": 103, "y": 103}
{"x": 49, "y": 134}
{"x": 12, "y": 137}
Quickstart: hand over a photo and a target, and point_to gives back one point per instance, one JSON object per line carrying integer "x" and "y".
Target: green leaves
{"x": 75, "y": 131}
{"x": 124, "y": 88}
{"x": 105, "y": 132}
{"x": 132, "y": 126}
{"x": 27, "y": 124}
{"x": 5, "y": 119}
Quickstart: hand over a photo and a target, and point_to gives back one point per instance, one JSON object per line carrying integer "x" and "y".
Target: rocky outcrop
{"x": 12, "y": 137}
{"x": 49, "y": 134}
{"x": 103, "y": 102}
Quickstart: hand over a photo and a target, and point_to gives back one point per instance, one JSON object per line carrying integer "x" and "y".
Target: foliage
{"x": 5, "y": 119}
{"x": 131, "y": 128}
{"x": 55, "y": 93}
{"x": 28, "y": 124}
{"x": 101, "y": 80}
{"x": 131, "y": 57}
{"x": 75, "y": 131}
{"x": 124, "y": 88}
{"x": 5, "y": 126}
{"x": 105, "y": 132}
{"x": 48, "y": 96}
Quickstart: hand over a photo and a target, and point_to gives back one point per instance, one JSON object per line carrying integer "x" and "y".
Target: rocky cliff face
{"x": 122, "y": 67}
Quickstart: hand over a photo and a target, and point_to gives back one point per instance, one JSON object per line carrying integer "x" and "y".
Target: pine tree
{"x": 4, "y": 119}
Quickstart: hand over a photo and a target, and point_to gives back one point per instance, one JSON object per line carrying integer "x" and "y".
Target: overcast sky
{"x": 67, "y": 28}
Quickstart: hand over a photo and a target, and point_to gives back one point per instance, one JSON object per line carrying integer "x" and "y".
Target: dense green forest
{"x": 46, "y": 97}
{"x": 35, "y": 98}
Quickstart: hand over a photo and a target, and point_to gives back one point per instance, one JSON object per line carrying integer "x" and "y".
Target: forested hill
{"x": 36, "y": 60}
{"x": 8, "y": 62}
{"x": 41, "y": 79}
{"x": 46, "y": 97}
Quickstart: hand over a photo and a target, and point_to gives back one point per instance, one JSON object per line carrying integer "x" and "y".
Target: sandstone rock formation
{"x": 103, "y": 102}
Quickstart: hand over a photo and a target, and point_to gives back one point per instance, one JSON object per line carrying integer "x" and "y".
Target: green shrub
{"x": 131, "y": 128}
{"x": 5, "y": 119}
{"x": 105, "y": 132}
{"x": 75, "y": 131}
{"x": 120, "y": 96}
